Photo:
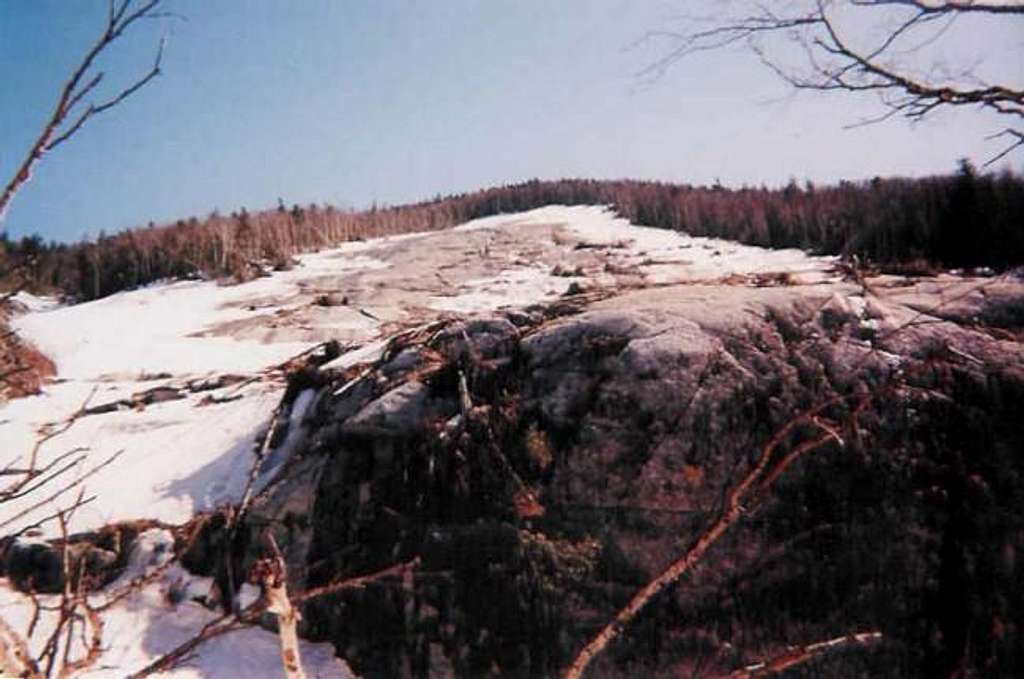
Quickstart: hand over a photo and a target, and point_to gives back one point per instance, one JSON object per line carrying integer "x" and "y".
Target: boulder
{"x": 400, "y": 412}
{"x": 599, "y": 447}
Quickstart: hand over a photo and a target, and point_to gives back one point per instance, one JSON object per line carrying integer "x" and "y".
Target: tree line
{"x": 964, "y": 219}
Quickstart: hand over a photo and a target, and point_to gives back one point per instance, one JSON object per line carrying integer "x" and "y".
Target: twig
{"x": 832, "y": 64}
{"x": 31, "y": 472}
{"x": 58, "y": 129}
{"x": 235, "y": 516}
{"x": 215, "y": 628}
{"x": 272, "y": 575}
{"x": 53, "y": 496}
{"x": 358, "y": 581}
{"x": 15, "y": 658}
{"x": 250, "y": 615}
{"x": 802, "y": 654}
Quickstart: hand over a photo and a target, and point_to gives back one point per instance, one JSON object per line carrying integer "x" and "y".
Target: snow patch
{"x": 510, "y": 288}
{"x": 191, "y": 454}
{"x": 149, "y": 622}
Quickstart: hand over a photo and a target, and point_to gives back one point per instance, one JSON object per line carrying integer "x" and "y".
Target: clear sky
{"x": 391, "y": 101}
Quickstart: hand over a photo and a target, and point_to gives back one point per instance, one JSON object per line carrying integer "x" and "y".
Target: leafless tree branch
{"x": 15, "y": 658}
{"x": 70, "y": 485}
{"x": 740, "y": 501}
{"x": 1018, "y": 141}
{"x": 62, "y": 654}
{"x": 81, "y": 84}
{"x": 833, "y": 64}
{"x": 249, "y": 616}
{"x": 358, "y": 581}
{"x": 800, "y": 655}
{"x": 949, "y": 6}
{"x": 31, "y": 471}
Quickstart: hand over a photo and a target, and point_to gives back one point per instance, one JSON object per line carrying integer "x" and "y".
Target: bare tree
{"x": 72, "y": 112}
{"x": 51, "y": 483}
{"x": 821, "y": 45}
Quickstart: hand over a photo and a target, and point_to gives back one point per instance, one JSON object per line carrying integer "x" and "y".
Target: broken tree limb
{"x": 465, "y": 401}
{"x": 249, "y": 616}
{"x": 761, "y": 475}
{"x": 272, "y": 575}
{"x": 798, "y": 655}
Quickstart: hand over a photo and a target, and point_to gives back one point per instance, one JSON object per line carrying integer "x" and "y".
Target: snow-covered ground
{"x": 162, "y": 615}
{"x": 655, "y": 256}
{"x": 182, "y": 456}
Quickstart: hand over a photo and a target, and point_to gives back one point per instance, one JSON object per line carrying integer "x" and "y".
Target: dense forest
{"x": 965, "y": 219}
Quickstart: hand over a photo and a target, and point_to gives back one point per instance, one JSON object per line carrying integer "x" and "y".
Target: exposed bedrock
{"x": 585, "y": 453}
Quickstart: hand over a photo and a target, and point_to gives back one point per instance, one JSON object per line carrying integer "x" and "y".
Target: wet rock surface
{"x": 544, "y": 466}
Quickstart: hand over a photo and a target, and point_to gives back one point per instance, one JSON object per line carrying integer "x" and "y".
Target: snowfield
{"x": 178, "y": 457}
{"x": 183, "y": 456}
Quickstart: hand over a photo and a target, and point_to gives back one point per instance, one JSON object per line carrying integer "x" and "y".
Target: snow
{"x": 660, "y": 256}
{"x": 155, "y": 329}
{"x": 34, "y": 302}
{"x": 182, "y": 456}
{"x": 178, "y": 458}
{"x": 510, "y": 288}
{"x": 367, "y": 353}
{"x": 147, "y": 624}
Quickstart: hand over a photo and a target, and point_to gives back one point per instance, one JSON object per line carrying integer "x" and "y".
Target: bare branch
{"x": 272, "y": 575}
{"x": 31, "y": 470}
{"x": 719, "y": 37}
{"x": 1018, "y": 142}
{"x": 93, "y": 645}
{"x": 77, "y": 87}
{"x": 762, "y": 474}
{"x": 358, "y": 582}
{"x": 15, "y": 658}
{"x": 833, "y": 64}
{"x": 84, "y": 91}
{"x": 42, "y": 472}
{"x": 96, "y": 109}
{"x": 800, "y": 655}
{"x": 250, "y": 615}
{"x": 62, "y": 490}
{"x": 211, "y": 630}
{"x": 950, "y": 7}
{"x": 79, "y": 503}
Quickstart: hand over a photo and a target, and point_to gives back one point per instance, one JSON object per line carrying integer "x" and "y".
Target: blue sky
{"x": 392, "y": 101}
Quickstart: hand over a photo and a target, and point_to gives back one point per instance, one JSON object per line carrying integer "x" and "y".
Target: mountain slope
{"x": 192, "y": 390}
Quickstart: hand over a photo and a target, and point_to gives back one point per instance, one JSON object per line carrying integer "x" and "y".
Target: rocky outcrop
{"x": 543, "y": 469}
{"x": 96, "y": 558}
